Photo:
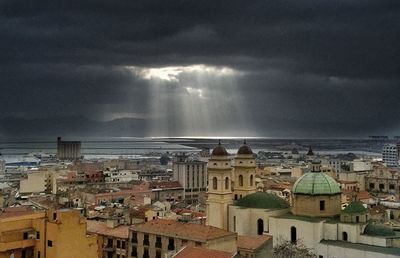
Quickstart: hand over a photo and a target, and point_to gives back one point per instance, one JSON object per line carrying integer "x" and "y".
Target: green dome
{"x": 378, "y": 230}
{"x": 316, "y": 183}
{"x": 355, "y": 208}
{"x": 262, "y": 200}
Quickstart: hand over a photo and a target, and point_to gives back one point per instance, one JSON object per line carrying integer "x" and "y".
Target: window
{"x": 134, "y": 237}
{"x": 215, "y": 183}
{"x": 38, "y": 254}
{"x": 321, "y": 205}
{"x": 109, "y": 242}
{"x": 357, "y": 219}
{"x": 236, "y": 197}
{"x": 260, "y": 226}
{"x": 146, "y": 239}
{"x": 391, "y": 187}
{"x": 226, "y": 183}
{"x": 320, "y": 256}
{"x": 54, "y": 216}
{"x": 25, "y": 235}
{"x": 146, "y": 253}
{"x": 171, "y": 244}
{"x": 234, "y": 223}
{"x": 293, "y": 235}
{"x": 158, "y": 254}
{"x": 381, "y": 186}
{"x": 49, "y": 243}
{"x": 123, "y": 244}
{"x": 37, "y": 235}
{"x": 134, "y": 252}
{"x": 118, "y": 244}
{"x": 344, "y": 236}
{"x": 158, "y": 242}
{"x": 240, "y": 180}
{"x": 371, "y": 186}
{"x": 251, "y": 180}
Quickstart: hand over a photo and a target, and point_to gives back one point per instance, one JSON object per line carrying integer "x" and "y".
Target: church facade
{"x": 314, "y": 219}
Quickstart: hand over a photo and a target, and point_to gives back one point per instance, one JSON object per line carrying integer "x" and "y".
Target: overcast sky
{"x": 208, "y": 68}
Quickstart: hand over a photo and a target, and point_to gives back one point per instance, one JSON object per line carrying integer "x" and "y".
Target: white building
{"x": 191, "y": 174}
{"x": 315, "y": 222}
{"x": 315, "y": 218}
{"x": 121, "y": 176}
{"x": 390, "y": 155}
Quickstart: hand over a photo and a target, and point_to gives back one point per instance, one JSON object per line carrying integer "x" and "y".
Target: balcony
{"x": 109, "y": 248}
{"x": 20, "y": 244}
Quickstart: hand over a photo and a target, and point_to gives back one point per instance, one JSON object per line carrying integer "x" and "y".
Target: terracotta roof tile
{"x": 100, "y": 228}
{"x": 252, "y": 242}
{"x": 196, "y": 232}
{"x": 379, "y": 209}
{"x": 198, "y": 252}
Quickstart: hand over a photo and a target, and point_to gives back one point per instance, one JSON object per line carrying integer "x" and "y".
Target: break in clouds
{"x": 205, "y": 68}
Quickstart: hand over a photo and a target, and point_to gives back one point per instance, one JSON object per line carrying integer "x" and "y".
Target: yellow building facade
{"x": 219, "y": 188}
{"x": 25, "y": 233}
{"x": 244, "y": 172}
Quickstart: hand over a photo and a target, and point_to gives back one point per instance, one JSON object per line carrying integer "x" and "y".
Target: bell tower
{"x": 219, "y": 192}
{"x": 244, "y": 172}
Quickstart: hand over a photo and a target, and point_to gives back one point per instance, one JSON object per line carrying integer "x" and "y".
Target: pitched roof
{"x": 198, "y": 252}
{"x": 252, "y": 242}
{"x": 378, "y": 209}
{"x": 100, "y": 228}
{"x": 182, "y": 230}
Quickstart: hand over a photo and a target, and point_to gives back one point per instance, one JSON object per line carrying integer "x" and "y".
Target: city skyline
{"x": 261, "y": 69}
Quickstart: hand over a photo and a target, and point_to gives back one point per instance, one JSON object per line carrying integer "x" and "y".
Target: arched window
{"x": 251, "y": 180}
{"x": 240, "y": 180}
{"x": 226, "y": 183}
{"x": 293, "y": 235}
{"x": 260, "y": 226}
{"x": 345, "y": 237}
{"x": 214, "y": 183}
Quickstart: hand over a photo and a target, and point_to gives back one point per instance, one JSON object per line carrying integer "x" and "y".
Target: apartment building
{"x": 112, "y": 240}
{"x": 156, "y": 238}
{"x": 26, "y": 233}
{"x": 191, "y": 174}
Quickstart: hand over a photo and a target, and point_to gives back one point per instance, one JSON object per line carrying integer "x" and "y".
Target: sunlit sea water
{"x": 140, "y": 147}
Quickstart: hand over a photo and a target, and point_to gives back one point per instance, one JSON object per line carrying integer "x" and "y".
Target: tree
{"x": 287, "y": 249}
{"x": 164, "y": 159}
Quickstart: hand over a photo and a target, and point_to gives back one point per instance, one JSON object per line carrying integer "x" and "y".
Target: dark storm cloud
{"x": 313, "y": 68}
